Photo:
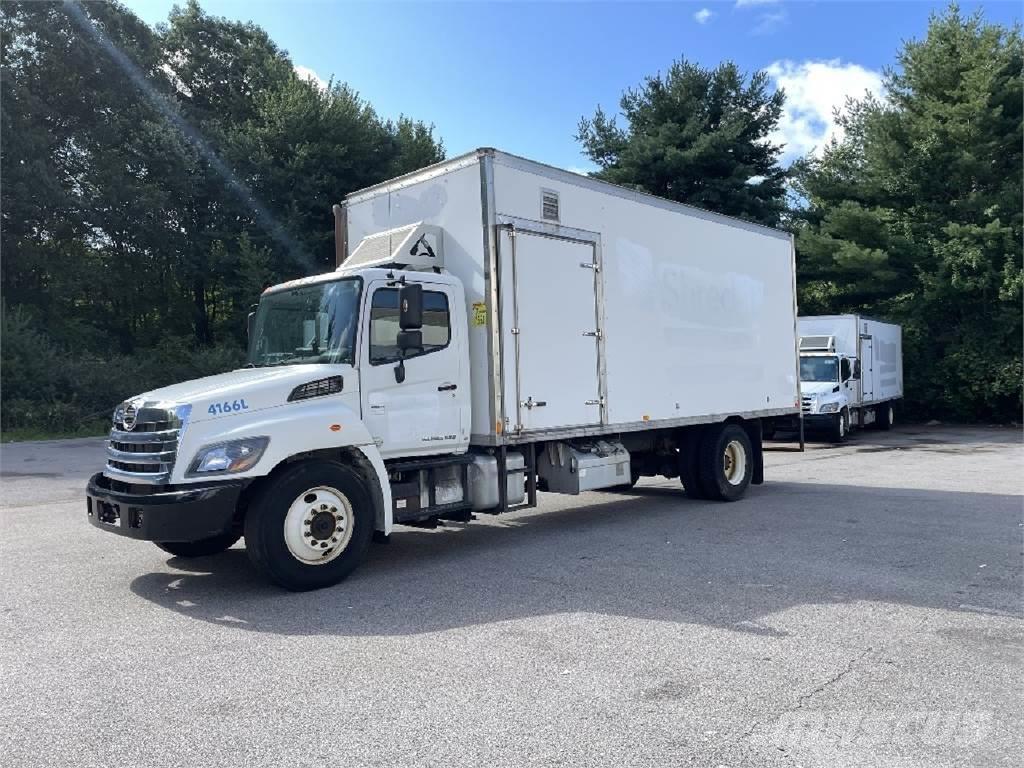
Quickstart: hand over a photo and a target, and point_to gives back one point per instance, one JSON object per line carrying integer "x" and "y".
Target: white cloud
{"x": 305, "y": 73}
{"x": 814, "y": 90}
{"x": 767, "y": 23}
{"x": 703, "y": 16}
{"x": 748, "y": 3}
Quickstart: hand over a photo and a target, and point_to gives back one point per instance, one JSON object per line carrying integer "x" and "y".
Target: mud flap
{"x": 753, "y": 429}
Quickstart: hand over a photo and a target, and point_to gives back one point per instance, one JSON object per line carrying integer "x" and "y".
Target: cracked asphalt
{"x": 861, "y": 608}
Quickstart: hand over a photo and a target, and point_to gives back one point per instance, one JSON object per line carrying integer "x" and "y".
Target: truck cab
{"x": 828, "y": 389}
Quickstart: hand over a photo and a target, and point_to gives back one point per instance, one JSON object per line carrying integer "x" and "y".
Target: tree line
{"x": 154, "y": 180}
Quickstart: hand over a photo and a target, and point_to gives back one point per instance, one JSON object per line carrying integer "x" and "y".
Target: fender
{"x": 293, "y": 428}
{"x": 385, "y": 512}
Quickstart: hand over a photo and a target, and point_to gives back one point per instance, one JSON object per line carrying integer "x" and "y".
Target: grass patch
{"x": 27, "y": 434}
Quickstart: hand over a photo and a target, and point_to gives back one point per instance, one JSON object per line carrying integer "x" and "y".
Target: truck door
{"x": 424, "y": 414}
{"x": 867, "y": 369}
{"x": 556, "y": 335}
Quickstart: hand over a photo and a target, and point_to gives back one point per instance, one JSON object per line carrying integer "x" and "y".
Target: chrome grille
{"x": 145, "y": 453}
{"x": 805, "y": 403}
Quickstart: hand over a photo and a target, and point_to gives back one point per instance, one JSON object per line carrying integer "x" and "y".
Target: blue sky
{"x": 518, "y": 76}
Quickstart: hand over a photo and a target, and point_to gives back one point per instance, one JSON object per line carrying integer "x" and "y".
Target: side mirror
{"x": 856, "y": 369}
{"x": 250, "y": 324}
{"x": 410, "y": 307}
{"x": 407, "y": 340}
{"x": 410, "y": 340}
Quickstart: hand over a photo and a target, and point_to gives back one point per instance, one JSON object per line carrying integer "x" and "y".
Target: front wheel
{"x": 726, "y": 462}
{"x": 840, "y": 427}
{"x": 311, "y": 527}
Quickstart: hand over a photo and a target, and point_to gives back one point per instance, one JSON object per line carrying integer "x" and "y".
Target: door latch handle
{"x": 447, "y": 387}
{"x": 530, "y": 403}
{"x": 599, "y": 401}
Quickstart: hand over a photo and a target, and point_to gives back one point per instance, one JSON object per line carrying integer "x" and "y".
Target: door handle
{"x": 530, "y": 403}
{"x": 447, "y": 387}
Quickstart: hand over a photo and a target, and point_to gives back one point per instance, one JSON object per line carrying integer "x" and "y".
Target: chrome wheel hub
{"x": 734, "y": 462}
{"x": 318, "y": 526}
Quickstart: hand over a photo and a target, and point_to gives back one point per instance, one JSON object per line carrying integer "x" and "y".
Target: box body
{"x": 594, "y": 309}
{"x": 878, "y": 346}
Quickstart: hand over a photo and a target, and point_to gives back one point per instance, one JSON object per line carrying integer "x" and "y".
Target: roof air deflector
{"x": 416, "y": 245}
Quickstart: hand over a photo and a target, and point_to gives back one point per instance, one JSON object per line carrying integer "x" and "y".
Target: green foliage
{"x": 59, "y": 390}
{"x": 140, "y": 222}
{"x": 916, "y": 216}
{"x": 698, "y": 136}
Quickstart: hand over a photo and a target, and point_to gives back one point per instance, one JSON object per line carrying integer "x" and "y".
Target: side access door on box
{"x": 867, "y": 367}
{"x": 552, "y": 313}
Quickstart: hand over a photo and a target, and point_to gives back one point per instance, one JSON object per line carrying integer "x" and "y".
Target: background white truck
{"x": 851, "y": 373}
{"x": 499, "y": 328}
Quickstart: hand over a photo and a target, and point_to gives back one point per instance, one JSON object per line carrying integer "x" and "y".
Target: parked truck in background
{"x": 500, "y": 328}
{"x": 851, "y": 374}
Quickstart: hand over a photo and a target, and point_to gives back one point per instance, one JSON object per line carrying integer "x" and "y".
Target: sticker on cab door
{"x": 479, "y": 314}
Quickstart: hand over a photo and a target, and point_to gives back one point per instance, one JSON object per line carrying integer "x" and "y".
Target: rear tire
{"x": 725, "y": 462}
{"x": 201, "y": 548}
{"x": 311, "y": 527}
{"x": 885, "y": 416}
{"x": 689, "y": 471}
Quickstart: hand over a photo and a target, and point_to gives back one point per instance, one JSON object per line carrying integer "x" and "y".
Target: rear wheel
{"x": 311, "y": 528}
{"x": 689, "y": 471}
{"x": 201, "y": 548}
{"x": 885, "y": 416}
{"x": 725, "y": 463}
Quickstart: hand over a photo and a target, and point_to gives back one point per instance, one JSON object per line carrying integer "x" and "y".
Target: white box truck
{"x": 495, "y": 327}
{"x": 851, "y": 373}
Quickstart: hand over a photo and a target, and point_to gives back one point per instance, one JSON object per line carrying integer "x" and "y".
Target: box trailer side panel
{"x": 695, "y": 312}
{"x": 882, "y": 351}
{"x": 451, "y": 199}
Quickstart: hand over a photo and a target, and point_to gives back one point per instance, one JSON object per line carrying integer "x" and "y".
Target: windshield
{"x": 819, "y": 369}
{"x": 307, "y": 324}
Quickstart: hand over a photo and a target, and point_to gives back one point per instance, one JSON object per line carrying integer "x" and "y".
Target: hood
{"x": 817, "y": 388}
{"x": 247, "y": 389}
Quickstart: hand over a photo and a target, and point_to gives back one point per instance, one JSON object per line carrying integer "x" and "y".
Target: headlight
{"x": 224, "y": 458}
{"x": 829, "y": 408}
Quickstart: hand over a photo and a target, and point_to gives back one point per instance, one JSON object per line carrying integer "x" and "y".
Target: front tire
{"x": 311, "y": 527}
{"x": 212, "y": 546}
{"x": 840, "y": 427}
{"x": 726, "y": 462}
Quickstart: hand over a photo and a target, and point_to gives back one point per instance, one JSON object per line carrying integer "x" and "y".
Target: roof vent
{"x": 548, "y": 205}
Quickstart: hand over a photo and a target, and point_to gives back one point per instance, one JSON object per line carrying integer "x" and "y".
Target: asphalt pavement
{"x": 862, "y": 607}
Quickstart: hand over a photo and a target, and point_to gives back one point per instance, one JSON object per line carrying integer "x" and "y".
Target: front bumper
{"x": 185, "y": 513}
{"x": 819, "y": 420}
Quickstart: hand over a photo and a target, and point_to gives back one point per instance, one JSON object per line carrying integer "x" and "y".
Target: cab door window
{"x": 437, "y": 332}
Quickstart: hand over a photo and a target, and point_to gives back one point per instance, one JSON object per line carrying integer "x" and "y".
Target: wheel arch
{"x": 365, "y": 459}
